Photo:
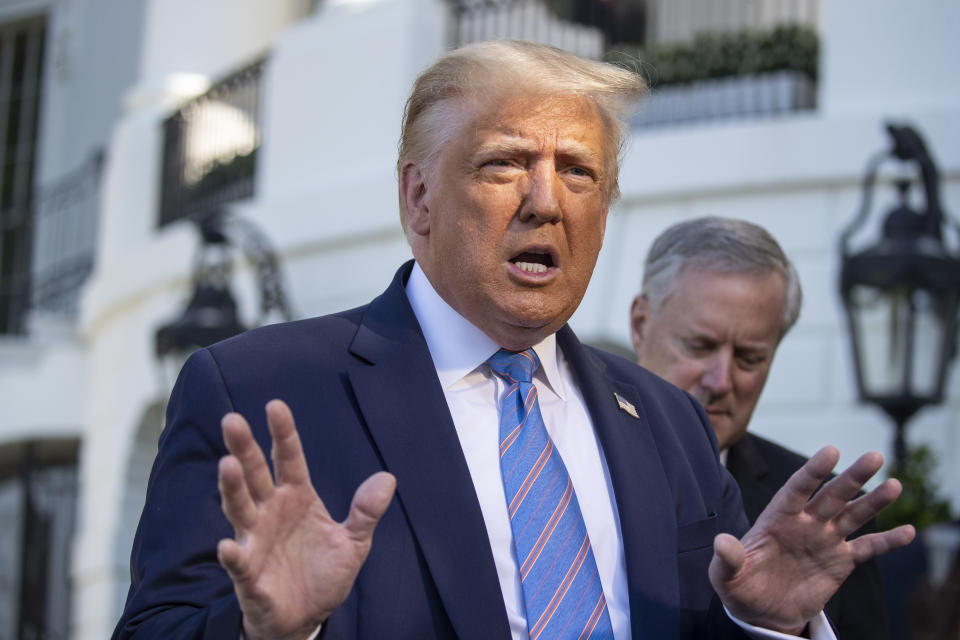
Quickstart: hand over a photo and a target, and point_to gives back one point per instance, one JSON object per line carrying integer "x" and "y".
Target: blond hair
{"x": 496, "y": 68}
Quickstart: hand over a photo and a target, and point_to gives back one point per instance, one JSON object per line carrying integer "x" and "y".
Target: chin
{"x": 532, "y": 311}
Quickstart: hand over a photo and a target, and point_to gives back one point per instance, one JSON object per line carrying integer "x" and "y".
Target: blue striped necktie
{"x": 561, "y": 586}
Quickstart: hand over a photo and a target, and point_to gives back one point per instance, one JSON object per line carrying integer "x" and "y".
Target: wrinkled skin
{"x": 715, "y": 337}
{"x": 525, "y": 177}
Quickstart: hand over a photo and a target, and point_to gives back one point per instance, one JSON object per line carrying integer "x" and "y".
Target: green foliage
{"x": 919, "y": 503}
{"x": 721, "y": 55}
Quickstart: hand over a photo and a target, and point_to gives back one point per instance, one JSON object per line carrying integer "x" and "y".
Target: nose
{"x": 717, "y": 377}
{"x": 541, "y": 201}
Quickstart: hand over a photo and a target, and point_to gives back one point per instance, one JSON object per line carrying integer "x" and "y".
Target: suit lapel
{"x": 647, "y": 523}
{"x": 403, "y": 405}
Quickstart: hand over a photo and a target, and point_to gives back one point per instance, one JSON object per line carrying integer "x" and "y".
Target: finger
{"x": 866, "y": 507}
{"x": 728, "y": 558}
{"x": 369, "y": 504}
{"x": 235, "y": 499}
{"x": 240, "y": 442}
{"x": 875, "y": 544}
{"x": 289, "y": 462}
{"x": 793, "y": 496}
{"x": 834, "y": 496}
{"x": 232, "y": 558}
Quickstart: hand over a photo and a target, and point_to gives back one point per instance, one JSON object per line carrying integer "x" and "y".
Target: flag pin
{"x": 626, "y": 406}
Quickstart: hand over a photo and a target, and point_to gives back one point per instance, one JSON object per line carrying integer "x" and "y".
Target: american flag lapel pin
{"x": 626, "y": 406}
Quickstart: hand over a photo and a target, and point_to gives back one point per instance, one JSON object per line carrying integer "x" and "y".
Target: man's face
{"x": 714, "y": 336}
{"x": 508, "y": 220}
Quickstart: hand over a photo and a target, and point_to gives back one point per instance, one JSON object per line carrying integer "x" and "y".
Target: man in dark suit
{"x": 718, "y": 296}
{"x": 507, "y": 169}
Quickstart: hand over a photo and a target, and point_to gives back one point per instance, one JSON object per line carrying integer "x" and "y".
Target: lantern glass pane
{"x": 928, "y": 342}
{"x": 881, "y": 319}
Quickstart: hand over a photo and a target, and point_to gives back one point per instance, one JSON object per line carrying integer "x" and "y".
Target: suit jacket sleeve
{"x": 178, "y": 589}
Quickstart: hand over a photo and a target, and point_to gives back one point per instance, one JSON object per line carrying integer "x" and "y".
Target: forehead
{"x": 526, "y": 120}
{"x": 745, "y": 304}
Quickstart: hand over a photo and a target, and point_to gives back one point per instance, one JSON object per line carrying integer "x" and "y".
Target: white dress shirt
{"x": 473, "y": 392}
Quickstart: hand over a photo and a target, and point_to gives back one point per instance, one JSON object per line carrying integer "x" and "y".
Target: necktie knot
{"x": 514, "y": 366}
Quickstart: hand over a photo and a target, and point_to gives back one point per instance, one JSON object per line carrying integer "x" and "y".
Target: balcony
{"x": 704, "y": 60}
{"x": 210, "y": 147}
{"x": 52, "y": 248}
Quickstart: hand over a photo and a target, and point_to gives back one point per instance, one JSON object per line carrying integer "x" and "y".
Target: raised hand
{"x": 291, "y": 564}
{"x": 783, "y": 571}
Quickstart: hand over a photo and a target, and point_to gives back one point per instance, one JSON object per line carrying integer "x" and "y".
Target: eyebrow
{"x": 507, "y": 145}
{"x": 515, "y": 144}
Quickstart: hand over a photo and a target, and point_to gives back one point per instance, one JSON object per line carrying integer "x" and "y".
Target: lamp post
{"x": 211, "y": 313}
{"x": 901, "y": 294}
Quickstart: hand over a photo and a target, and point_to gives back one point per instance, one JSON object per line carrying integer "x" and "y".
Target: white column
{"x": 334, "y": 91}
{"x": 141, "y": 274}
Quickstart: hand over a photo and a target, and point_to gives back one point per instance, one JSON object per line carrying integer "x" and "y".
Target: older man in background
{"x": 718, "y": 296}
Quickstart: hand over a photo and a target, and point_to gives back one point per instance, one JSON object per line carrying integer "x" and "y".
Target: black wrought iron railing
{"x": 582, "y": 25}
{"x": 704, "y": 59}
{"x": 50, "y": 244}
{"x": 585, "y": 28}
{"x": 65, "y": 237}
{"x": 210, "y": 147}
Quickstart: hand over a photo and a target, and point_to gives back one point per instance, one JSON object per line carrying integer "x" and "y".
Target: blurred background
{"x": 173, "y": 172}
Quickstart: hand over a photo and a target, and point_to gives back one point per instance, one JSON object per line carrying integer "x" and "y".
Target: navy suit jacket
{"x": 760, "y": 468}
{"x": 366, "y": 397}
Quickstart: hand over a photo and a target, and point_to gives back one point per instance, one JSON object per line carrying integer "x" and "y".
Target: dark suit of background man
{"x": 718, "y": 296}
{"x": 507, "y": 169}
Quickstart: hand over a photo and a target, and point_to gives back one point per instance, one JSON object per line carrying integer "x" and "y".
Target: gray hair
{"x": 496, "y": 68}
{"x": 718, "y": 245}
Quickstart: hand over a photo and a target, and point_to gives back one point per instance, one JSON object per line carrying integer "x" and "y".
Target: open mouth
{"x": 533, "y": 261}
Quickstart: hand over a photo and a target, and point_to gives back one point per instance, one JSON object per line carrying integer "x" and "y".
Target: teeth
{"x": 532, "y": 267}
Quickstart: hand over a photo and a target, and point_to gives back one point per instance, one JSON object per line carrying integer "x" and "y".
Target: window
{"x": 38, "y": 496}
{"x": 21, "y": 67}
{"x": 210, "y": 147}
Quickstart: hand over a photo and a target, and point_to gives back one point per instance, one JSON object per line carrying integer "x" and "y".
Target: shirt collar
{"x": 457, "y": 346}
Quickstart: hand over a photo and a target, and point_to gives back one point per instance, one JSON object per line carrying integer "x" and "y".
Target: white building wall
{"x": 41, "y": 388}
{"x": 325, "y": 196}
{"x": 92, "y": 56}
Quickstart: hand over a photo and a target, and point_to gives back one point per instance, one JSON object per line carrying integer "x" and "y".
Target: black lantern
{"x": 212, "y": 313}
{"x": 901, "y": 294}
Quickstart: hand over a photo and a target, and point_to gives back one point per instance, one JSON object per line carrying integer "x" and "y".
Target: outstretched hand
{"x": 783, "y": 571}
{"x": 290, "y": 562}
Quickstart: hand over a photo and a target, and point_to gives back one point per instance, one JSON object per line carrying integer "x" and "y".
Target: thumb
{"x": 369, "y": 504}
{"x": 728, "y": 558}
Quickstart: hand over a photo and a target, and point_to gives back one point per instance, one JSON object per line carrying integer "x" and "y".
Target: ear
{"x": 413, "y": 195}
{"x": 639, "y": 315}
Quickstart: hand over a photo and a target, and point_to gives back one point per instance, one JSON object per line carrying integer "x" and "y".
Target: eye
{"x": 581, "y": 172}
{"x": 750, "y": 360}
{"x": 506, "y": 161}
{"x": 699, "y": 347}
